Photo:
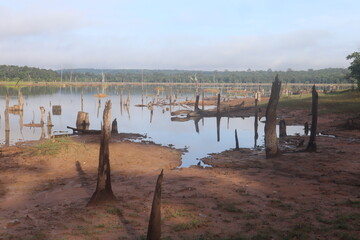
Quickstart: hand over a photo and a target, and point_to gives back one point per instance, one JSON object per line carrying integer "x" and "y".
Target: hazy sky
{"x": 174, "y": 34}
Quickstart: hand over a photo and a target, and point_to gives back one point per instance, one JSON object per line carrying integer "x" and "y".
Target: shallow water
{"x": 157, "y": 126}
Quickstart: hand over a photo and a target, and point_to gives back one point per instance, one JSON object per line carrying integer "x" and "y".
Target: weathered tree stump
{"x": 271, "y": 142}
{"x": 282, "y": 128}
{"x": 314, "y": 116}
{"x": 114, "y": 126}
{"x": 82, "y": 120}
{"x": 202, "y": 99}
{"x": 42, "y": 121}
{"x": 154, "y": 228}
{"x": 103, "y": 192}
{"x": 56, "y": 109}
{"x": 196, "y": 108}
{"x": 256, "y": 124}
{"x": 49, "y": 122}
{"x": 306, "y": 128}
{"x": 236, "y": 141}
{"x": 218, "y": 104}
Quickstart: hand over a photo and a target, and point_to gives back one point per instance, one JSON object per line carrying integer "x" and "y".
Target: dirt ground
{"x": 298, "y": 195}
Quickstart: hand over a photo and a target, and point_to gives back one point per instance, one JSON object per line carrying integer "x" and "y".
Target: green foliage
{"x": 114, "y": 211}
{"x": 338, "y": 102}
{"x": 17, "y": 74}
{"x": 355, "y": 67}
{"x": 195, "y": 223}
{"x": 50, "y": 147}
{"x": 26, "y": 74}
{"x": 329, "y": 75}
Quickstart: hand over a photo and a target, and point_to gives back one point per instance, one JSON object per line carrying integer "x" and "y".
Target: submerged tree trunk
{"x": 154, "y": 228}
{"x": 271, "y": 142}
{"x": 312, "y": 144}
{"x": 103, "y": 192}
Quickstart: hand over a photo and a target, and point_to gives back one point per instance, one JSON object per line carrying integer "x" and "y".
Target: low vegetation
{"x": 337, "y": 102}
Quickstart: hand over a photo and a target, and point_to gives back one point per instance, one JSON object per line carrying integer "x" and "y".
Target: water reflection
{"x": 152, "y": 118}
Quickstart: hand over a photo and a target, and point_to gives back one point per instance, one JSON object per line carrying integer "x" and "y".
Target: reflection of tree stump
{"x": 103, "y": 192}
{"x": 271, "y": 143}
{"x": 82, "y": 120}
{"x": 282, "y": 128}
{"x": 312, "y": 144}
{"x": 154, "y": 229}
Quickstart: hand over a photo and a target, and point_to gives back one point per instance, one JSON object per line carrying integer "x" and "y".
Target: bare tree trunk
{"x": 282, "y": 128}
{"x": 82, "y": 101}
{"x": 271, "y": 142}
{"x": 236, "y": 141}
{"x": 49, "y": 122}
{"x": 7, "y": 121}
{"x": 197, "y": 104}
{"x": 42, "y": 121}
{"x": 103, "y": 192}
{"x": 312, "y": 144}
{"x": 20, "y": 101}
{"x": 82, "y": 120}
{"x": 203, "y": 96}
{"x": 218, "y": 104}
{"x": 218, "y": 119}
{"x": 306, "y": 128}
{"x": 154, "y": 229}
{"x": 256, "y": 124}
{"x": 114, "y": 126}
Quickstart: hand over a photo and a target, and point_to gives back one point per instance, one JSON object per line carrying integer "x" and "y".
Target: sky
{"x": 174, "y": 34}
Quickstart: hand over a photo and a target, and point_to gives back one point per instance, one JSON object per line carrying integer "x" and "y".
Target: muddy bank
{"x": 44, "y": 191}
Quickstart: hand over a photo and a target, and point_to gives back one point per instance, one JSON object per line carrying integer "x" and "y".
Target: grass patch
{"x": 229, "y": 207}
{"x": 195, "y": 223}
{"x": 343, "y": 222}
{"x": 279, "y": 204}
{"x": 176, "y": 213}
{"x": 338, "y": 102}
{"x": 51, "y": 147}
{"x": 299, "y": 231}
{"x": 114, "y": 211}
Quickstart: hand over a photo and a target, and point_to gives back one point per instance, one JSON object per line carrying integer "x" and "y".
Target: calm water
{"x": 158, "y": 127}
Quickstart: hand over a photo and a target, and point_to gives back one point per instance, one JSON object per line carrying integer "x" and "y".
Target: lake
{"x": 158, "y": 127}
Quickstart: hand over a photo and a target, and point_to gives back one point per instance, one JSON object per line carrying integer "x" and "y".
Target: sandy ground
{"x": 299, "y": 195}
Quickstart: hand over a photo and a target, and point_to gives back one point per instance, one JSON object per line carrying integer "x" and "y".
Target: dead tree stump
{"x": 103, "y": 192}
{"x": 218, "y": 104}
{"x": 154, "y": 228}
{"x": 114, "y": 127}
{"x": 271, "y": 142}
{"x": 49, "y": 122}
{"x": 314, "y": 116}
{"x": 256, "y": 124}
{"x": 20, "y": 101}
{"x": 197, "y": 103}
{"x": 42, "y": 121}
{"x": 282, "y": 128}
{"x": 306, "y": 128}
{"x": 82, "y": 120}
{"x": 56, "y": 109}
{"x": 236, "y": 141}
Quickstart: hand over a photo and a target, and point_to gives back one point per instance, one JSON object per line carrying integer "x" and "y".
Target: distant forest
{"x": 18, "y": 74}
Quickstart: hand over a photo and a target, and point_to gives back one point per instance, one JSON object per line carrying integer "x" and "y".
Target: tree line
{"x": 18, "y": 73}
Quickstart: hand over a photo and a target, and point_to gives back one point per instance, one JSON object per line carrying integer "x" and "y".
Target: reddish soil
{"x": 298, "y": 195}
